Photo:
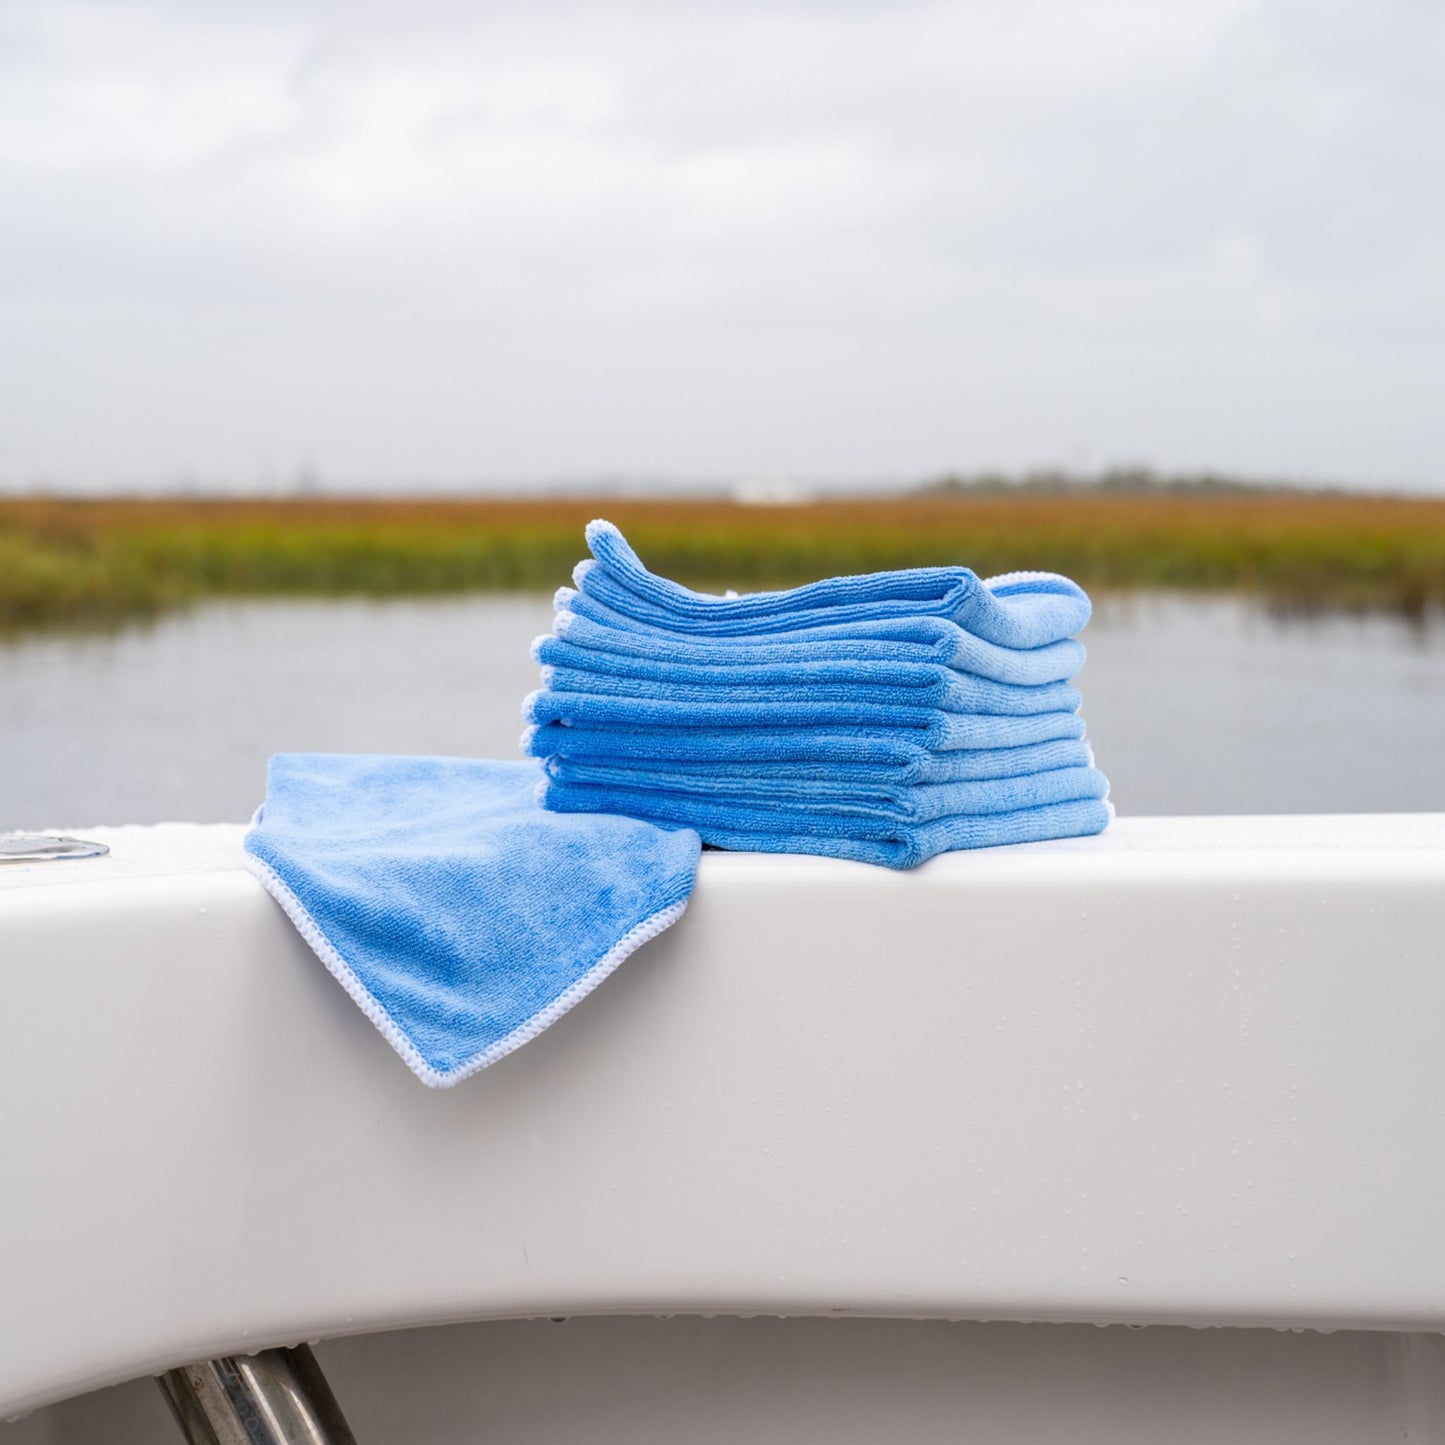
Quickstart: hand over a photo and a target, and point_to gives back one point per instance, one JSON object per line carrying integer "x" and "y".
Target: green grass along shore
{"x": 66, "y": 563}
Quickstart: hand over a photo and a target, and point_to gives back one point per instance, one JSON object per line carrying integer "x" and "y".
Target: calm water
{"x": 1194, "y": 706}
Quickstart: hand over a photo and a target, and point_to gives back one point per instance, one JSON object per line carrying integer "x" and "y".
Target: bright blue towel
{"x": 594, "y": 629}
{"x": 802, "y": 782}
{"x": 906, "y": 748}
{"x": 918, "y": 684}
{"x": 891, "y": 846}
{"x": 874, "y": 813}
{"x": 459, "y": 914}
{"x": 934, "y": 726}
{"x": 1022, "y": 609}
{"x": 911, "y": 846}
{"x": 938, "y": 687}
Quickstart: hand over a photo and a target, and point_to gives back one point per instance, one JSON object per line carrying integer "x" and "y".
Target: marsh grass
{"x": 90, "y": 563}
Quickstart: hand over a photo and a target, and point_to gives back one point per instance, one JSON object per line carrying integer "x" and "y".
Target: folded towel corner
{"x": 462, "y": 917}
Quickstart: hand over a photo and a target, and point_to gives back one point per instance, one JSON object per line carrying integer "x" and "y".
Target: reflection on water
{"x": 1194, "y": 705}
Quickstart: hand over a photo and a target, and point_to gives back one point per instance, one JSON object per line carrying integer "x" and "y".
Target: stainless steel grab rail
{"x": 276, "y": 1397}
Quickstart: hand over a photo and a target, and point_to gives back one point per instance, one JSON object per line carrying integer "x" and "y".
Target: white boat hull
{"x": 1187, "y": 1073}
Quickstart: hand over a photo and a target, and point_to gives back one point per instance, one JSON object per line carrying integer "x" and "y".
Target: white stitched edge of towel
{"x": 1006, "y": 578}
{"x": 599, "y": 527}
{"x": 338, "y": 967}
{"x": 562, "y": 621}
{"x": 387, "y": 1027}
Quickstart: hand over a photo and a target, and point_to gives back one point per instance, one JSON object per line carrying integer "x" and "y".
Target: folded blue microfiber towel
{"x": 459, "y": 914}
{"x": 934, "y": 726}
{"x": 807, "y": 781}
{"x": 906, "y": 748}
{"x": 864, "y": 814}
{"x": 911, "y": 846}
{"x": 900, "y": 846}
{"x": 605, "y": 637}
{"x": 925, "y": 684}
{"x": 1020, "y": 610}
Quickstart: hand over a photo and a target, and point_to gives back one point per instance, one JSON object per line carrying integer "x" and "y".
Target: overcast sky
{"x": 438, "y": 241}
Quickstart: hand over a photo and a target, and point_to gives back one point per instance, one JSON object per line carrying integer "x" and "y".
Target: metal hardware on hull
{"x": 42, "y": 847}
{"x": 276, "y": 1397}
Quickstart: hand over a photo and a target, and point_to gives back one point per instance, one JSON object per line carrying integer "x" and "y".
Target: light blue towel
{"x": 871, "y": 813}
{"x": 935, "y": 727}
{"x": 802, "y": 782}
{"x": 594, "y": 629}
{"x": 459, "y": 914}
{"x": 934, "y": 687}
{"x": 911, "y": 846}
{"x": 1019, "y": 610}
{"x": 897, "y": 846}
{"x": 918, "y": 684}
{"x": 905, "y": 748}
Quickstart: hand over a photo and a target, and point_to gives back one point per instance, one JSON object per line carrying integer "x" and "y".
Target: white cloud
{"x": 522, "y": 241}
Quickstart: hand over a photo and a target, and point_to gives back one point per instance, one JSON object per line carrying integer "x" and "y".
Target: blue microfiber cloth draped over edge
{"x": 459, "y": 914}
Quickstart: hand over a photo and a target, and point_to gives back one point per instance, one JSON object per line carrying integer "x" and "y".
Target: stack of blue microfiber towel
{"x": 883, "y": 718}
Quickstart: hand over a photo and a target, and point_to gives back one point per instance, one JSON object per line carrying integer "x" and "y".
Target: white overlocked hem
{"x": 387, "y": 1026}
